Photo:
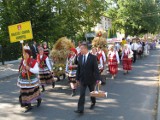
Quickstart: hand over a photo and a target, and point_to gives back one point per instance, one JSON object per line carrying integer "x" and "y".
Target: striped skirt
{"x": 29, "y": 91}
{"x": 45, "y": 77}
{"x": 71, "y": 75}
{"x": 30, "y": 95}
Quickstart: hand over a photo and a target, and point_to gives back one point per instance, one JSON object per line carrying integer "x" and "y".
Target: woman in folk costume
{"x": 126, "y": 58}
{"x": 99, "y": 59}
{"x": 71, "y": 67}
{"x": 113, "y": 61}
{"x": 101, "y": 52}
{"x": 45, "y": 69}
{"x": 46, "y": 49}
{"x": 29, "y": 82}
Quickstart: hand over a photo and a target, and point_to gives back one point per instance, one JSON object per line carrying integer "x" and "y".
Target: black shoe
{"x": 28, "y": 108}
{"x": 39, "y": 102}
{"x": 20, "y": 101}
{"x": 43, "y": 88}
{"x": 78, "y": 111}
{"x": 92, "y": 106}
{"x": 23, "y": 105}
{"x": 73, "y": 93}
{"x": 53, "y": 84}
{"x": 103, "y": 83}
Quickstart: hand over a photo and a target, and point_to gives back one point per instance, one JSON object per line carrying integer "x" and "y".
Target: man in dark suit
{"x": 87, "y": 76}
{"x": 34, "y": 50}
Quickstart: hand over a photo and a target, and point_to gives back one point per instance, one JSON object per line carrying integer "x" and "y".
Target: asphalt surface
{"x": 9, "y": 70}
{"x": 130, "y": 97}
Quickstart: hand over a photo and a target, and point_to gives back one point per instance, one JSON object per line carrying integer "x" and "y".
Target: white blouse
{"x": 100, "y": 65}
{"x": 112, "y": 53}
{"x": 34, "y": 70}
{"x": 103, "y": 55}
{"x": 126, "y": 51}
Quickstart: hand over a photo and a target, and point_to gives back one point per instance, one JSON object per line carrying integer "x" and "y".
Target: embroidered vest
{"x": 99, "y": 55}
{"x": 71, "y": 61}
{"x": 42, "y": 61}
{"x": 23, "y": 72}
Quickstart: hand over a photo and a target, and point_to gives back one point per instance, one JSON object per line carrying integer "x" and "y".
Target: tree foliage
{"x": 50, "y": 19}
{"x": 135, "y": 16}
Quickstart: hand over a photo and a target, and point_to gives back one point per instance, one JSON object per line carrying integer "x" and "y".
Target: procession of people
{"x": 83, "y": 68}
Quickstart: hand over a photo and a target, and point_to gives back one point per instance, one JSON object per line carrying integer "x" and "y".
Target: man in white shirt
{"x": 34, "y": 50}
{"x": 117, "y": 47}
{"x": 129, "y": 45}
{"x": 134, "y": 48}
{"x": 88, "y": 75}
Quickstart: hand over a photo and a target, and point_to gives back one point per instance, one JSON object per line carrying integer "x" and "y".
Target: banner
{"x": 113, "y": 40}
{"x": 20, "y": 31}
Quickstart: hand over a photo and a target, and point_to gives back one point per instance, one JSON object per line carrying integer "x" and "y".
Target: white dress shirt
{"x": 117, "y": 46}
{"x": 129, "y": 46}
{"x": 87, "y": 56}
{"x": 134, "y": 46}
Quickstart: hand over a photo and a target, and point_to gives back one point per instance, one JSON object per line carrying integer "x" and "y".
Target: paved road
{"x": 9, "y": 70}
{"x": 131, "y": 97}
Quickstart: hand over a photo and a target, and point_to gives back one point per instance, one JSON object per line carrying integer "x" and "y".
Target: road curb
{"x": 11, "y": 62}
{"x": 11, "y": 73}
{"x": 8, "y": 77}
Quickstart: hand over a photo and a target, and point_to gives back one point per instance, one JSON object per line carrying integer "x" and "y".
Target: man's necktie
{"x": 84, "y": 59}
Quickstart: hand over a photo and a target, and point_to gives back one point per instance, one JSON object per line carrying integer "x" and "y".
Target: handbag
{"x": 98, "y": 93}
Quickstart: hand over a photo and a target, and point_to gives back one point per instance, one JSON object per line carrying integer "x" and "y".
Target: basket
{"x": 98, "y": 93}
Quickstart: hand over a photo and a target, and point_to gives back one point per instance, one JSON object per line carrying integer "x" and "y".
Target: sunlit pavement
{"x": 9, "y": 69}
{"x": 130, "y": 97}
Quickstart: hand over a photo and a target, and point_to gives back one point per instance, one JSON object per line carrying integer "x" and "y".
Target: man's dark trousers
{"x": 134, "y": 55}
{"x": 82, "y": 96}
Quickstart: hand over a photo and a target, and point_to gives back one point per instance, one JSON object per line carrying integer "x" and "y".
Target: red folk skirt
{"x": 113, "y": 66}
{"x": 127, "y": 63}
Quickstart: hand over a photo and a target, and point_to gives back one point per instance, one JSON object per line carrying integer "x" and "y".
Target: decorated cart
{"x": 59, "y": 54}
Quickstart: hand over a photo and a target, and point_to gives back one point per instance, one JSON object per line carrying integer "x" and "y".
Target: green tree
{"x": 16, "y": 11}
{"x": 135, "y": 17}
{"x": 50, "y": 19}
